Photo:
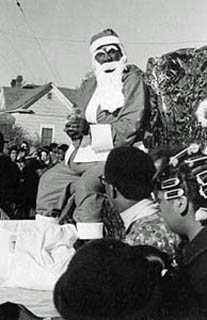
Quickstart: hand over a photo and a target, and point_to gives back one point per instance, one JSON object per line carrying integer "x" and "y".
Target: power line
{"x": 7, "y": 64}
{"x": 17, "y": 54}
{"x": 37, "y": 41}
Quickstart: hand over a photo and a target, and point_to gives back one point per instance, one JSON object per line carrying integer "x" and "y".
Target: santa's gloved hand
{"x": 72, "y": 130}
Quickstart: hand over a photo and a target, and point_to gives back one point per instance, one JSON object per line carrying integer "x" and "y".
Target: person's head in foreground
{"x": 108, "y": 279}
{"x": 182, "y": 190}
{"x": 128, "y": 176}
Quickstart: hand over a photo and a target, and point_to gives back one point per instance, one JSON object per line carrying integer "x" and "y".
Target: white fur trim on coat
{"x": 91, "y": 230}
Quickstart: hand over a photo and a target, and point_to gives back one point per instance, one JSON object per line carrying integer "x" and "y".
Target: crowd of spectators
{"x": 21, "y": 167}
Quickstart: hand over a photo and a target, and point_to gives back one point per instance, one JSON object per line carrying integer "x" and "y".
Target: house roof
{"x": 70, "y": 94}
{"x": 11, "y": 95}
{"x": 21, "y": 98}
{"x": 29, "y": 97}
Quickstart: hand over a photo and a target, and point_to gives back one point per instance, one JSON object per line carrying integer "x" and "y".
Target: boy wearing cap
{"x": 115, "y": 96}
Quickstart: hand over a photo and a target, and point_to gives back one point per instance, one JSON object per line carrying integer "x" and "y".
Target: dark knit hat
{"x": 108, "y": 279}
{"x": 130, "y": 170}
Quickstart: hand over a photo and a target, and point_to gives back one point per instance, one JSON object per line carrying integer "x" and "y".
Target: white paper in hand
{"x": 98, "y": 146}
{"x": 101, "y": 137}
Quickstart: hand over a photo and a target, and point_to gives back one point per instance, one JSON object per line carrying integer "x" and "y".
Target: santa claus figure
{"x": 115, "y": 96}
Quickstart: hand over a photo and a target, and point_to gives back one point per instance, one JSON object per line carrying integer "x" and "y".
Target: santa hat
{"x": 108, "y": 279}
{"x": 106, "y": 37}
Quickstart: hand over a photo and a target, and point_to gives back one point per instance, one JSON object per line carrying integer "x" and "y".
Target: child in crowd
{"x": 13, "y": 153}
{"x": 53, "y": 152}
{"x": 44, "y": 159}
{"x": 61, "y": 152}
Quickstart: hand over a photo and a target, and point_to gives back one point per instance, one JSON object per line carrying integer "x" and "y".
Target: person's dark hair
{"x": 26, "y": 145}
{"x": 109, "y": 279}
{"x": 53, "y": 146}
{"x": 130, "y": 170}
{"x": 14, "y": 147}
{"x": 63, "y": 147}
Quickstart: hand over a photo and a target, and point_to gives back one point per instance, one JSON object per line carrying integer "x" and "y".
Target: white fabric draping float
{"x": 34, "y": 253}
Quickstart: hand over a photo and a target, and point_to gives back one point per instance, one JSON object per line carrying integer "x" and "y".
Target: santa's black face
{"x": 108, "y": 53}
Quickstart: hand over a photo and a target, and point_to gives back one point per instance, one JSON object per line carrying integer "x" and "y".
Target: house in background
{"x": 41, "y": 110}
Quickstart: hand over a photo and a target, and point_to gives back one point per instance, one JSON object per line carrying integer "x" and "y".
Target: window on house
{"x": 46, "y": 136}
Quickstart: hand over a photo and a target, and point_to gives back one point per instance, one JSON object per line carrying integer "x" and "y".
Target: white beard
{"x": 110, "y": 85}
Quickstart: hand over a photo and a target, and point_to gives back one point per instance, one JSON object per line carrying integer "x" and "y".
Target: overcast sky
{"x": 49, "y": 39}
